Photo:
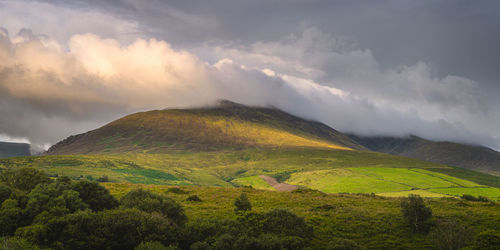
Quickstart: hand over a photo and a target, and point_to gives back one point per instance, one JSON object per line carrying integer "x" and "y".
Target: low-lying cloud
{"x": 50, "y": 90}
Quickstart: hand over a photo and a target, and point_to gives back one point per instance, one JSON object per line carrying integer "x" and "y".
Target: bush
{"x": 24, "y": 178}
{"x": 176, "y": 190}
{"x": 95, "y": 195}
{"x": 14, "y": 243}
{"x": 193, "y": 198}
{"x": 103, "y": 178}
{"x": 473, "y": 198}
{"x": 451, "y": 235}
{"x": 242, "y": 203}
{"x": 284, "y": 222}
{"x": 343, "y": 244}
{"x": 149, "y": 202}
{"x": 154, "y": 245}
{"x": 489, "y": 239}
{"x": 5, "y": 192}
{"x": 415, "y": 212}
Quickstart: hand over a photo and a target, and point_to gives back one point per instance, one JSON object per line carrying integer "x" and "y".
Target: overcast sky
{"x": 423, "y": 67}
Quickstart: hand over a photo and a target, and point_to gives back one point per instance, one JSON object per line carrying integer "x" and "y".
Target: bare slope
{"x": 225, "y": 126}
{"x": 454, "y": 154}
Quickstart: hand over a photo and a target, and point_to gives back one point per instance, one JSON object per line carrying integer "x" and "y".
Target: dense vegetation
{"x": 60, "y": 213}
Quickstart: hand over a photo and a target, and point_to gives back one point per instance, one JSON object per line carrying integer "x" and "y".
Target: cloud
{"x": 50, "y": 90}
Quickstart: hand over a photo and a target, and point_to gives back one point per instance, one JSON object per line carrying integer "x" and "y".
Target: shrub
{"x": 343, "y": 244}
{"x": 5, "y": 192}
{"x": 24, "y": 178}
{"x": 451, "y": 235}
{"x": 14, "y": 243}
{"x": 242, "y": 203}
{"x": 473, "y": 198}
{"x": 11, "y": 217}
{"x": 176, "y": 190}
{"x": 489, "y": 239}
{"x": 193, "y": 198}
{"x": 154, "y": 245}
{"x": 103, "y": 178}
{"x": 415, "y": 212}
{"x": 149, "y": 202}
{"x": 95, "y": 195}
{"x": 284, "y": 222}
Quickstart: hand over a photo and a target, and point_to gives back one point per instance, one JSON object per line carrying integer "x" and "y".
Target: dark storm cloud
{"x": 400, "y": 67}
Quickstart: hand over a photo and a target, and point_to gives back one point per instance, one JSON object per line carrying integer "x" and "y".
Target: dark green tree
{"x": 415, "y": 212}
{"x": 286, "y": 223}
{"x": 5, "y": 192}
{"x": 489, "y": 239}
{"x": 242, "y": 203}
{"x": 95, "y": 195}
{"x": 149, "y": 202}
{"x": 24, "y": 178}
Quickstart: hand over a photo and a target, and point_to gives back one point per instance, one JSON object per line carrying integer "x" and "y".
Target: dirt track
{"x": 279, "y": 186}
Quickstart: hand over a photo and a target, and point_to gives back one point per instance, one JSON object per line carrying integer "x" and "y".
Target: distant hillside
{"x": 227, "y": 125}
{"x": 454, "y": 154}
{"x": 10, "y": 149}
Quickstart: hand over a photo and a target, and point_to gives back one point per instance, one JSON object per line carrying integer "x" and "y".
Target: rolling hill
{"x": 232, "y": 145}
{"x": 226, "y": 126}
{"x": 11, "y": 149}
{"x": 471, "y": 157}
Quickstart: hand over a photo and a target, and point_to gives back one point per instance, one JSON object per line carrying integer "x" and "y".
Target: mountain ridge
{"x": 466, "y": 156}
{"x": 12, "y": 149}
{"x": 227, "y": 125}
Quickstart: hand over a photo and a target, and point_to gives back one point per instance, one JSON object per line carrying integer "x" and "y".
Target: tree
{"x": 5, "y": 192}
{"x": 489, "y": 239}
{"x": 95, "y": 195}
{"x": 415, "y": 212}
{"x": 24, "y": 178}
{"x": 149, "y": 202}
{"x": 284, "y": 222}
{"x": 242, "y": 203}
{"x": 451, "y": 235}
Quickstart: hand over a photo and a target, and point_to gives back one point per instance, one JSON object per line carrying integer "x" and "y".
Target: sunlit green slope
{"x": 227, "y": 126}
{"x": 330, "y": 171}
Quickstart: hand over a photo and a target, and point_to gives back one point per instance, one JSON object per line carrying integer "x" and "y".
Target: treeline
{"x": 38, "y": 212}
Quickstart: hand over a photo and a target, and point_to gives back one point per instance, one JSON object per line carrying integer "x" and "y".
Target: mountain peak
{"x": 227, "y": 126}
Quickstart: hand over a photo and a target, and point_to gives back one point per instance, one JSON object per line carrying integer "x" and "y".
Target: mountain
{"x": 471, "y": 157}
{"x": 11, "y": 149}
{"x": 225, "y": 126}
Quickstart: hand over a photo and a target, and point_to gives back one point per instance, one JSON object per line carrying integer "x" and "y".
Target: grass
{"x": 332, "y": 171}
{"x": 490, "y": 192}
{"x": 423, "y": 193}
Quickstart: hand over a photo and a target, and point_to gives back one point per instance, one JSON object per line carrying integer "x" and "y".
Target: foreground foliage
{"x": 65, "y": 214}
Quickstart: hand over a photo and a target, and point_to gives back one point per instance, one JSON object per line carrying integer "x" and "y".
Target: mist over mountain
{"x": 227, "y": 125}
{"x": 471, "y": 157}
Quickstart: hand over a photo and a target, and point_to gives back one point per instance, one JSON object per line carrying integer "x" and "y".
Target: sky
{"x": 374, "y": 68}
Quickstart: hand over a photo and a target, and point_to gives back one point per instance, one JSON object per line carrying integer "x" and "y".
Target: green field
{"x": 490, "y": 192}
{"x": 254, "y": 181}
{"x": 331, "y": 171}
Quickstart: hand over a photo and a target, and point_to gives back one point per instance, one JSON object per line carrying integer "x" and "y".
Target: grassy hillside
{"x": 331, "y": 171}
{"x": 454, "y": 154}
{"x": 227, "y": 126}
{"x": 371, "y": 221}
{"x": 10, "y": 149}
